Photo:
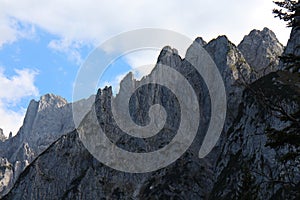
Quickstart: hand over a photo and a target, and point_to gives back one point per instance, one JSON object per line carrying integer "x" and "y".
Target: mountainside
{"x": 261, "y": 50}
{"x": 2, "y": 136}
{"x": 248, "y": 166}
{"x": 243, "y": 165}
{"x": 45, "y": 121}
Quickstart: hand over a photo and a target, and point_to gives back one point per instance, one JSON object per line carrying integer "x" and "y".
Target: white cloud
{"x": 96, "y": 21}
{"x": 12, "y": 91}
{"x": 70, "y": 48}
{"x": 77, "y": 23}
{"x": 12, "y": 29}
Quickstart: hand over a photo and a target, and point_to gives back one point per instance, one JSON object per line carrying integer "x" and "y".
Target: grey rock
{"x": 66, "y": 169}
{"x": 2, "y": 136}
{"x": 67, "y": 165}
{"x": 6, "y": 174}
{"x": 247, "y": 166}
{"x": 45, "y": 121}
{"x": 235, "y": 71}
{"x": 292, "y": 50}
{"x": 201, "y": 41}
{"x": 261, "y": 49}
{"x": 160, "y": 184}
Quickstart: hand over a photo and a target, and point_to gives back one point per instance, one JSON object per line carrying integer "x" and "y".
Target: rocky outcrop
{"x": 2, "y": 136}
{"x": 159, "y": 184}
{"x": 247, "y": 166}
{"x": 75, "y": 176}
{"x": 250, "y": 165}
{"x": 261, "y": 50}
{"x": 6, "y": 174}
{"x": 292, "y": 51}
{"x": 45, "y": 121}
{"x": 234, "y": 69}
{"x": 241, "y": 160}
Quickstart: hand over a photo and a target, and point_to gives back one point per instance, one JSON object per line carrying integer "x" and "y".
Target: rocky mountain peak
{"x": 229, "y": 60}
{"x": 169, "y": 56}
{"x": 261, "y": 49}
{"x": 201, "y": 41}
{"x": 234, "y": 70}
{"x": 51, "y": 100}
{"x": 166, "y": 54}
{"x": 240, "y": 161}
{"x": 126, "y": 83}
{"x": 167, "y": 51}
{"x": 2, "y": 136}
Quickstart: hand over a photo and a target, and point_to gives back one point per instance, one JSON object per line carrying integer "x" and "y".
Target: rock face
{"x": 234, "y": 69}
{"x": 249, "y": 166}
{"x": 292, "y": 50}
{"x": 261, "y": 50}
{"x": 242, "y": 166}
{"x": 2, "y": 136}
{"x": 68, "y": 172}
{"x": 45, "y": 121}
{"x": 6, "y": 174}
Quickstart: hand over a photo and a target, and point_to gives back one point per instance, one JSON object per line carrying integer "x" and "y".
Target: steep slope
{"x": 45, "y": 121}
{"x": 68, "y": 165}
{"x": 66, "y": 170}
{"x": 2, "y": 136}
{"x": 261, "y": 50}
{"x": 251, "y": 164}
{"x": 234, "y": 69}
{"x": 292, "y": 51}
{"x": 6, "y": 174}
{"x": 248, "y": 166}
{"x": 189, "y": 176}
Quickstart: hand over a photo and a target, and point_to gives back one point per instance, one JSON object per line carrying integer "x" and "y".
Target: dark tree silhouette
{"x": 287, "y": 140}
{"x": 289, "y": 11}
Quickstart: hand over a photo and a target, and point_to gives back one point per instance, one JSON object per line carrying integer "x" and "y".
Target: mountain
{"x": 242, "y": 165}
{"x": 251, "y": 164}
{"x": 2, "y": 136}
{"x": 248, "y": 166}
{"x": 45, "y": 121}
{"x": 261, "y": 50}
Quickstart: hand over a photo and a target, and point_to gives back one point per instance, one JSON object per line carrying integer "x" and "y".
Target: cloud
{"x": 79, "y": 23}
{"x": 68, "y": 47}
{"x": 95, "y": 21}
{"x": 13, "y": 90}
{"x": 12, "y": 30}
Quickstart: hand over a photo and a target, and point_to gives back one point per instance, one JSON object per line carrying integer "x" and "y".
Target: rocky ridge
{"x": 45, "y": 121}
{"x": 67, "y": 165}
{"x": 261, "y": 50}
{"x": 2, "y": 136}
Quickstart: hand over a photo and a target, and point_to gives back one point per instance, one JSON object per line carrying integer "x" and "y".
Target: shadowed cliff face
{"x": 251, "y": 165}
{"x": 66, "y": 170}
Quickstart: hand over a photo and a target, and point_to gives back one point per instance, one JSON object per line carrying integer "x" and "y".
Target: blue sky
{"x": 55, "y": 72}
{"x": 43, "y": 44}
